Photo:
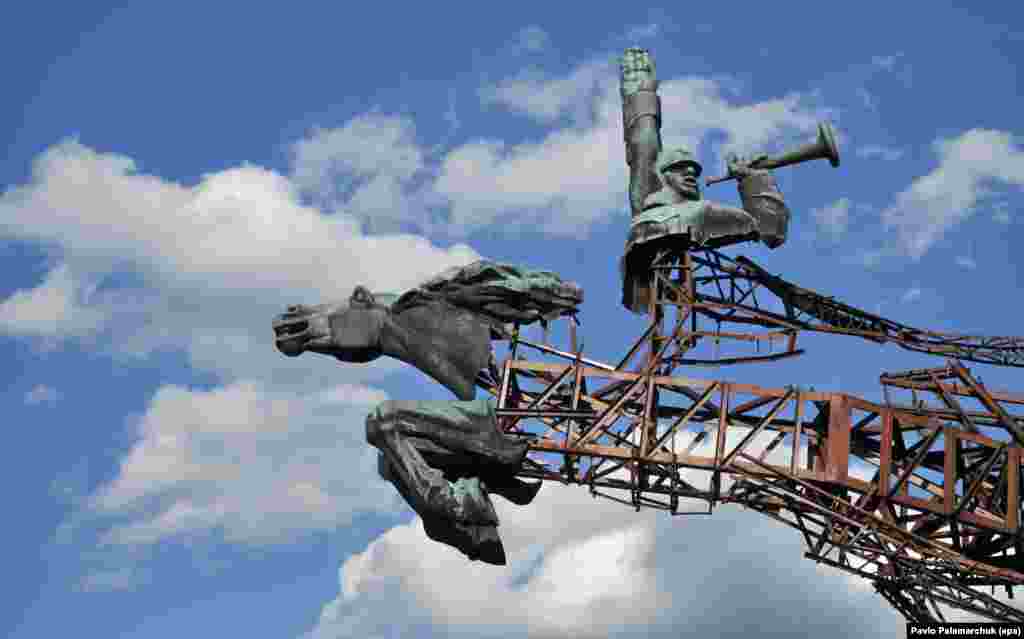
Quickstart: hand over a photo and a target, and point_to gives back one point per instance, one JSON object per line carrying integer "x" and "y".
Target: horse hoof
{"x": 477, "y": 543}
{"x": 489, "y": 548}
{"x": 515, "y": 490}
{"x": 475, "y": 505}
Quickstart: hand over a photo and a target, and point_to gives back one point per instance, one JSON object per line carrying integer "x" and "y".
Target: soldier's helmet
{"x": 672, "y": 157}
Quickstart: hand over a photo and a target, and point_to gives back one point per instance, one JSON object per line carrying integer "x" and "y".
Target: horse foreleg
{"x": 425, "y": 488}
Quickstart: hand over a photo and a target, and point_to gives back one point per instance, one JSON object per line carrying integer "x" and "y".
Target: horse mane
{"x": 501, "y": 293}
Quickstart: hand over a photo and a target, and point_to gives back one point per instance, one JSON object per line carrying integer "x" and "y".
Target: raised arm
{"x": 641, "y": 119}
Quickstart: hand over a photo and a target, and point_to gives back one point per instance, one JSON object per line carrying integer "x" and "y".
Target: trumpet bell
{"x": 824, "y": 148}
{"x": 827, "y": 139}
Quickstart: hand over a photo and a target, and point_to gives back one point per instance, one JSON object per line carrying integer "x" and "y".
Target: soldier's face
{"x": 682, "y": 178}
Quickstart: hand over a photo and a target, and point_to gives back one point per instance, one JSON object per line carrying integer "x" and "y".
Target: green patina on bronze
{"x": 444, "y": 457}
{"x": 665, "y": 201}
{"x": 504, "y": 293}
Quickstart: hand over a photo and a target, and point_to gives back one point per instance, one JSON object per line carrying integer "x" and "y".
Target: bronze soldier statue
{"x": 664, "y": 193}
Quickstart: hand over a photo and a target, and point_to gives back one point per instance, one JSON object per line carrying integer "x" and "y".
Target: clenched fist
{"x": 637, "y": 72}
{"x": 740, "y": 167}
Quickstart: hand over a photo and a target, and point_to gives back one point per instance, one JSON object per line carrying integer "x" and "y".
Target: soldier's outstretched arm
{"x": 641, "y": 119}
{"x": 761, "y": 199}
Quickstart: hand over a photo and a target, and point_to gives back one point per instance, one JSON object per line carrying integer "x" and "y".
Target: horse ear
{"x": 362, "y": 297}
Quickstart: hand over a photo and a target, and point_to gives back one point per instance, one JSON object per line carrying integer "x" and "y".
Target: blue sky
{"x": 176, "y": 173}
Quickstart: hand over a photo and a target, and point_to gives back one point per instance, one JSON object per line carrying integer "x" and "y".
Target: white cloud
{"x": 209, "y": 264}
{"x": 834, "y": 218}
{"x": 255, "y": 465}
{"x": 374, "y": 172}
{"x": 966, "y": 262}
{"x": 42, "y": 394}
{"x": 365, "y": 167}
{"x": 576, "y": 175}
{"x": 694, "y": 107}
{"x": 204, "y": 267}
{"x": 57, "y": 307}
{"x": 911, "y": 295}
{"x": 546, "y": 98}
{"x": 881, "y": 152}
{"x": 202, "y": 270}
{"x": 580, "y": 567}
{"x": 968, "y": 166}
{"x": 612, "y": 569}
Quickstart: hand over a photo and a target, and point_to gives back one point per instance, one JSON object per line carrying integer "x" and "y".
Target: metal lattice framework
{"x": 920, "y": 494}
{"x": 739, "y": 291}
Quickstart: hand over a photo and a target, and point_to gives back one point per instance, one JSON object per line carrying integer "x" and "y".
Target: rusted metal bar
{"x": 564, "y": 354}
{"x": 949, "y": 469}
{"x": 925, "y": 445}
{"x": 865, "y": 516}
{"x": 990, "y": 403}
{"x": 979, "y": 480}
{"x": 955, "y": 389}
{"x": 757, "y": 430}
{"x": 838, "y": 438}
{"x": 547, "y": 393}
{"x": 1013, "y": 490}
{"x": 954, "y": 405}
{"x": 885, "y": 454}
{"x": 688, "y": 415}
{"x": 611, "y": 414}
{"x": 772, "y": 445}
{"x": 794, "y": 462}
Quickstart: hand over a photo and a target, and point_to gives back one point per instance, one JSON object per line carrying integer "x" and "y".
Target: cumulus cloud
{"x": 202, "y": 268}
{"x": 244, "y": 461}
{"x": 146, "y": 265}
{"x": 833, "y": 219}
{"x": 545, "y": 98}
{"x": 365, "y": 167}
{"x": 42, "y": 394}
{"x": 582, "y": 567}
{"x": 575, "y": 176}
{"x": 374, "y": 172}
{"x": 969, "y": 166}
{"x": 615, "y": 571}
{"x": 205, "y": 267}
{"x": 60, "y": 306}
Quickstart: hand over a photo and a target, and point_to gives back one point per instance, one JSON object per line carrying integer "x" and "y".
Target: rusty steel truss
{"x": 920, "y": 493}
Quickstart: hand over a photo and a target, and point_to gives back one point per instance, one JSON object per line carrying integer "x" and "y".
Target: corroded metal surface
{"x": 920, "y": 494}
